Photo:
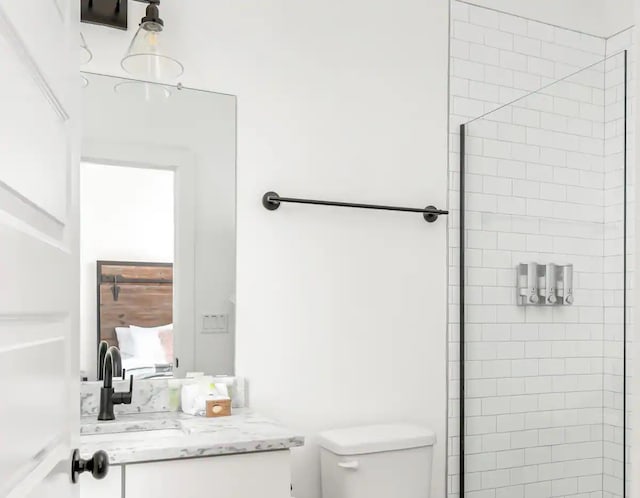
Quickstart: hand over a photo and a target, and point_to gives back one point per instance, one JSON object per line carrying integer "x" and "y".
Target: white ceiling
{"x": 597, "y": 17}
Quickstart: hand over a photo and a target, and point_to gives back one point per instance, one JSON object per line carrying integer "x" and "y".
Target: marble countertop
{"x": 173, "y": 435}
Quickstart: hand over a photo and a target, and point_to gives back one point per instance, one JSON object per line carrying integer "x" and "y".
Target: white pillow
{"x": 125, "y": 342}
{"x": 147, "y": 343}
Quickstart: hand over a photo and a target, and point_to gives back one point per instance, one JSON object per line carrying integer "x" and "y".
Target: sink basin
{"x": 132, "y": 435}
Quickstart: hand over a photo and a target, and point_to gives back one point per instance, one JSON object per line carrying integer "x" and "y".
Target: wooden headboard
{"x": 133, "y": 293}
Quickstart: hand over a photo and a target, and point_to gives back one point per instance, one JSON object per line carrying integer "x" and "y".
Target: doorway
{"x": 127, "y": 219}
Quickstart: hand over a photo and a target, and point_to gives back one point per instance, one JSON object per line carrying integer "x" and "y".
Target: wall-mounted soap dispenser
{"x": 548, "y": 284}
{"x": 523, "y": 284}
{"x": 528, "y": 280}
{"x": 567, "y": 283}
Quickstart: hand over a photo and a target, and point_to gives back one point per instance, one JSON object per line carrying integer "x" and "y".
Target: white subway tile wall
{"x": 544, "y": 183}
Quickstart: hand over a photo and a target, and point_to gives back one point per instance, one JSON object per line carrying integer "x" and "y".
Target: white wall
{"x": 597, "y": 17}
{"x": 341, "y": 313}
{"x": 126, "y": 215}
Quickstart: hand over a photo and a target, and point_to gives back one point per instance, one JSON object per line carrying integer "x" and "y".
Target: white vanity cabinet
{"x": 247, "y": 475}
{"x": 110, "y": 486}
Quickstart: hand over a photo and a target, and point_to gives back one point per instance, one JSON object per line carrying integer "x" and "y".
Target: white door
{"x": 39, "y": 377}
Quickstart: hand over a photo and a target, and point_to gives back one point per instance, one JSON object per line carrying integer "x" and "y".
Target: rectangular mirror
{"x": 157, "y": 227}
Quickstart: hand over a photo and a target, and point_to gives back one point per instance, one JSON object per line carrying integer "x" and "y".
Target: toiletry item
{"x": 560, "y": 287}
{"x": 523, "y": 284}
{"x": 206, "y": 386}
{"x": 550, "y": 284}
{"x": 567, "y": 277}
{"x": 189, "y": 398}
{"x": 218, "y": 407}
{"x": 229, "y": 381}
{"x": 197, "y": 391}
{"x": 532, "y": 278}
{"x": 219, "y": 390}
{"x": 175, "y": 392}
{"x": 236, "y": 388}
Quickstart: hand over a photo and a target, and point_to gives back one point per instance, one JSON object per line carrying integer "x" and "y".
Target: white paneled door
{"x": 39, "y": 374}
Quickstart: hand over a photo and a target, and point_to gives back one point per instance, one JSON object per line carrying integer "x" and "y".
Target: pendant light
{"x": 146, "y": 58}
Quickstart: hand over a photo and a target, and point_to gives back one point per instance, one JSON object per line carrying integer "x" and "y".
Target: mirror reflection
{"x": 158, "y": 231}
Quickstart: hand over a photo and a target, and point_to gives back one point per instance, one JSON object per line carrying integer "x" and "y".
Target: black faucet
{"x": 108, "y": 396}
{"x": 103, "y": 349}
{"x": 102, "y": 352}
{"x": 116, "y": 366}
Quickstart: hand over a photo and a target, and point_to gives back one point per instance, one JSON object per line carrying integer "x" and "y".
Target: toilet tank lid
{"x": 376, "y": 438}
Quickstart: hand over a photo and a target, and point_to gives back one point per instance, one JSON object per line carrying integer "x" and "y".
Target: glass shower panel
{"x": 543, "y": 229}
{"x": 617, "y": 281}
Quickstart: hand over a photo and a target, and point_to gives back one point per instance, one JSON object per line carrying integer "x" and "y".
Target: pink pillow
{"x": 154, "y": 344}
{"x": 166, "y": 340}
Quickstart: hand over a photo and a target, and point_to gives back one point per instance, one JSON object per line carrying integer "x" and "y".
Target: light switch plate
{"x": 214, "y": 323}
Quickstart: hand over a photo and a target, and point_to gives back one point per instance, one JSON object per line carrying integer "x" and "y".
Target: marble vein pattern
{"x": 175, "y": 435}
{"x": 149, "y": 396}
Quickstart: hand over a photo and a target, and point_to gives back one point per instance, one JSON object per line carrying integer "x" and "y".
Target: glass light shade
{"x": 145, "y": 57}
{"x": 85, "y": 53}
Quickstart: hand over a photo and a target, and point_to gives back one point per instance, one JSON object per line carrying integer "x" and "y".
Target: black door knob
{"x": 98, "y": 465}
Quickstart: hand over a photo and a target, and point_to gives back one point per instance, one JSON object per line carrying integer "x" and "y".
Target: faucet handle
{"x": 124, "y": 398}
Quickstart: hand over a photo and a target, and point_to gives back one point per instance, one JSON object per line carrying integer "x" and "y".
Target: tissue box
{"x": 218, "y": 407}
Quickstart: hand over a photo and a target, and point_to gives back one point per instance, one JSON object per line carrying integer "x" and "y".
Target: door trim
{"x": 183, "y": 163}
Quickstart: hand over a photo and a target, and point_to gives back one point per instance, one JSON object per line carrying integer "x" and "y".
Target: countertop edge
{"x": 243, "y": 433}
{"x": 184, "y": 453}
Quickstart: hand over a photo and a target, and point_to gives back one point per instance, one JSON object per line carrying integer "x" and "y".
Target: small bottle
{"x": 175, "y": 391}
{"x": 567, "y": 276}
{"x": 532, "y": 277}
{"x": 550, "y": 284}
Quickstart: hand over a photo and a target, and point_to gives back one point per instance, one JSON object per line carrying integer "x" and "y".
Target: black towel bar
{"x": 272, "y": 201}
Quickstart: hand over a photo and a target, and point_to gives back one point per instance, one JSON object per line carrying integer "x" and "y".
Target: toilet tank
{"x": 377, "y": 461}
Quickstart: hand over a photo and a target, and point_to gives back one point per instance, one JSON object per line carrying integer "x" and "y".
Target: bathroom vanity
{"x": 163, "y": 454}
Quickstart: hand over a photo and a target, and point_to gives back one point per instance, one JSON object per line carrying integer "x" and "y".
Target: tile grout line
{"x": 519, "y": 16}
{"x": 494, "y": 190}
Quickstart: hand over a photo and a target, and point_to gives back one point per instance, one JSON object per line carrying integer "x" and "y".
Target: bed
{"x": 135, "y": 313}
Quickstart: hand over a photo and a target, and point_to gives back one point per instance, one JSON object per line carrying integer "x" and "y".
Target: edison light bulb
{"x": 152, "y": 37}
{"x": 145, "y": 57}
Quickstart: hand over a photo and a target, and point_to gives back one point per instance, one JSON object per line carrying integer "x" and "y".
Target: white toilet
{"x": 377, "y": 461}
